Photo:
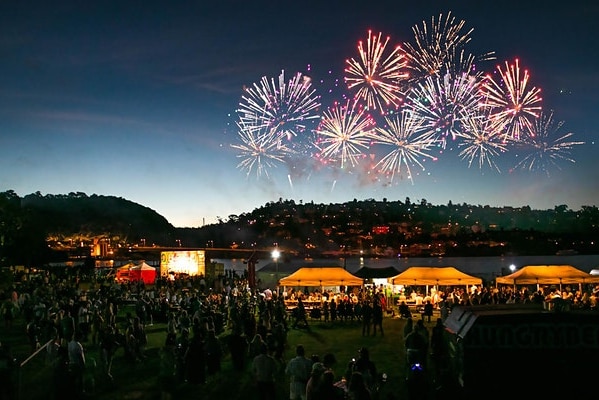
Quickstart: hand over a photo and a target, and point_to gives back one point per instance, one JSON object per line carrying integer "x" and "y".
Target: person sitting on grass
{"x": 404, "y": 310}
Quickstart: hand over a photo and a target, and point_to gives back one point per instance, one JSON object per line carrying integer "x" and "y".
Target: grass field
{"x": 140, "y": 380}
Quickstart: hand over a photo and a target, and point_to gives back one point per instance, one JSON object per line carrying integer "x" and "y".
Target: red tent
{"x": 143, "y": 272}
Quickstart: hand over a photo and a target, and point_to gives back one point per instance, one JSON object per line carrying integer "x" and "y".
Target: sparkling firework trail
{"x": 279, "y": 107}
{"x": 259, "y": 151}
{"x": 480, "y": 142}
{"x": 444, "y": 102}
{"x": 434, "y": 45}
{"x": 344, "y": 132}
{"x": 403, "y": 132}
{"x": 377, "y": 77}
{"x": 545, "y": 147}
{"x": 514, "y": 106}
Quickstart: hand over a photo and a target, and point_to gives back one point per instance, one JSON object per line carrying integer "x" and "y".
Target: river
{"x": 483, "y": 267}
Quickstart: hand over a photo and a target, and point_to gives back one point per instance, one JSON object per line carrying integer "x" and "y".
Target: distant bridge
{"x": 265, "y": 253}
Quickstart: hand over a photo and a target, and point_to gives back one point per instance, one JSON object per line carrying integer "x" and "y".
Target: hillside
{"x": 65, "y": 216}
{"x": 34, "y": 225}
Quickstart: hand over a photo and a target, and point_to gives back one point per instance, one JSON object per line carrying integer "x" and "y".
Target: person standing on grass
{"x": 439, "y": 351}
{"x": 238, "y": 348}
{"x": 76, "y": 365}
{"x": 298, "y": 369}
{"x": 326, "y": 311}
{"x": 67, "y": 325}
{"x": 264, "y": 370}
{"x": 416, "y": 346}
{"x": 428, "y": 311}
{"x": 97, "y": 325}
{"x": 300, "y": 315}
{"x": 366, "y": 317}
{"x": 138, "y": 339}
{"x": 108, "y": 346}
{"x": 377, "y": 315}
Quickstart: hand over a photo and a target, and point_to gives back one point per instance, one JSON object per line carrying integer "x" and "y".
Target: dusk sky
{"x": 139, "y": 99}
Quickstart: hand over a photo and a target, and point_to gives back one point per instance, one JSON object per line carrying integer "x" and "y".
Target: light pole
{"x": 275, "y": 256}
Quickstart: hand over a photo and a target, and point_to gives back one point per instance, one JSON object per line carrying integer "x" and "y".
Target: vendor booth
{"x": 321, "y": 278}
{"x": 314, "y": 276}
{"x": 143, "y": 272}
{"x": 430, "y": 276}
{"x": 547, "y": 275}
{"x": 133, "y": 273}
{"x": 434, "y": 276}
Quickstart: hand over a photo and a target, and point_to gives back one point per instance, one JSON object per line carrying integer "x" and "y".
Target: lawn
{"x": 343, "y": 339}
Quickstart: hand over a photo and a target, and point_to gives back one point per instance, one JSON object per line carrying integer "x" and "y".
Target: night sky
{"x": 138, "y": 99}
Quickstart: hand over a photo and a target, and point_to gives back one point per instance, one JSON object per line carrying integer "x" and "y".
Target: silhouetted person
{"x": 377, "y": 316}
{"x": 238, "y": 348}
{"x": 428, "y": 310}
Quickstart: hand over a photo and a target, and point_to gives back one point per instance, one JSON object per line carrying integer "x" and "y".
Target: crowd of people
{"x": 67, "y": 319}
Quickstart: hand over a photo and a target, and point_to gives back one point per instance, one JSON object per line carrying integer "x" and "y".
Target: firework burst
{"x": 434, "y": 45}
{"x": 259, "y": 151}
{"x": 428, "y": 93}
{"x": 480, "y": 142}
{"x": 514, "y": 106}
{"x": 344, "y": 132}
{"x": 279, "y": 107}
{"x": 375, "y": 75}
{"x": 545, "y": 147}
{"x": 444, "y": 102}
{"x": 404, "y": 132}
